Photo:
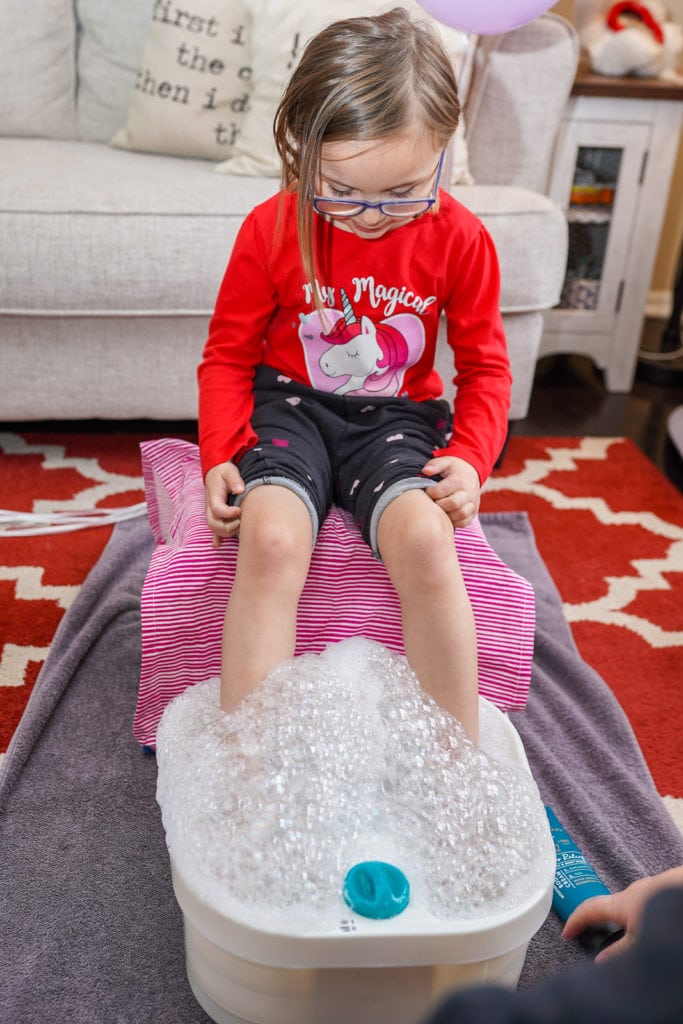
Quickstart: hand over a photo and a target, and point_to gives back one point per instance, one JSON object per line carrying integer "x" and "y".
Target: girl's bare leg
{"x": 272, "y": 564}
{"x": 415, "y": 540}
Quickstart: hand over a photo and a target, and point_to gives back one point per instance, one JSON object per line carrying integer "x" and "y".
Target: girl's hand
{"x": 457, "y": 493}
{"x": 624, "y": 908}
{"x": 219, "y": 482}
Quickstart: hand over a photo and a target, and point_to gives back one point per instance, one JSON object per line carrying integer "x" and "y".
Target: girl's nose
{"x": 371, "y": 216}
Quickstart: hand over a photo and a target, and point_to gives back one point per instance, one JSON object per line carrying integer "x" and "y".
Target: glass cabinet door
{"x": 598, "y": 169}
{"x": 589, "y": 216}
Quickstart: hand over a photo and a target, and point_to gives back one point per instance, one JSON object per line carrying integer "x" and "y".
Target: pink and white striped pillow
{"x": 348, "y": 593}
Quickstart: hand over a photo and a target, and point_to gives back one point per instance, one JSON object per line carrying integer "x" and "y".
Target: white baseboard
{"x": 658, "y": 306}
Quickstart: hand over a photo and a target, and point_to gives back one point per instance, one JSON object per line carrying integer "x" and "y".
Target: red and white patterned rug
{"x": 608, "y": 525}
{"x": 41, "y": 575}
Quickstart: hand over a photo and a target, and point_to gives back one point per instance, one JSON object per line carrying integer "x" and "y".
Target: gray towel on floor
{"x": 90, "y": 932}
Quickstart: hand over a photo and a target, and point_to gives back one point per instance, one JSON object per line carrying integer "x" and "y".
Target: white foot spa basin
{"x": 338, "y": 763}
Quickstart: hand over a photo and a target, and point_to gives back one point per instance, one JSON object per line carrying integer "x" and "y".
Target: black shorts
{"x": 359, "y": 452}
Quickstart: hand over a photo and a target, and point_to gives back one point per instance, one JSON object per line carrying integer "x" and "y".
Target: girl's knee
{"x": 275, "y": 542}
{"x": 417, "y": 539}
{"x": 275, "y": 547}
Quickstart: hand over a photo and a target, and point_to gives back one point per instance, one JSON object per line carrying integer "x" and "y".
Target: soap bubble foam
{"x": 334, "y": 759}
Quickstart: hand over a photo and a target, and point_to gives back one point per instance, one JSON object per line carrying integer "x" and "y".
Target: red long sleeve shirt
{"x": 383, "y": 299}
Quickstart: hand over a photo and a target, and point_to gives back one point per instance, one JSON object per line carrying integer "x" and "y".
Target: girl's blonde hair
{"x": 361, "y": 79}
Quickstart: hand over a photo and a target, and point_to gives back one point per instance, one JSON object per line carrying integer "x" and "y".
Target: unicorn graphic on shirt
{"x": 359, "y": 355}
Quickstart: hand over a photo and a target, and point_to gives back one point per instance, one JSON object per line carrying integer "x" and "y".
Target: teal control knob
{"x": 376, "y": 889}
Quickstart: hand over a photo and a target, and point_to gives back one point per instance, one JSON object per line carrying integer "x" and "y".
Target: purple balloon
{"x": 484, "y": 17}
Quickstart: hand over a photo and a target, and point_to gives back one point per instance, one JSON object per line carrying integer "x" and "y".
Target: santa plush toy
{"x": 632, "y": 39}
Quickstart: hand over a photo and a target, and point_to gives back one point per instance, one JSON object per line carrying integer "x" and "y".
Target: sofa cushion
{"x": 37, "y": 57}
{"x": 77, "y": 239}
{"x": 113, "y": 231}
{"x": 191, "y": 92}
{"x": 110, "y": 42}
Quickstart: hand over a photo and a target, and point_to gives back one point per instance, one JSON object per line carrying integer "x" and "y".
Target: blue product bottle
{"x": 576, "y": 881}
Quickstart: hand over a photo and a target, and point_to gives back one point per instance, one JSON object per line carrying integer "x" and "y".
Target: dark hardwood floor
{"x": 569, "y": 400}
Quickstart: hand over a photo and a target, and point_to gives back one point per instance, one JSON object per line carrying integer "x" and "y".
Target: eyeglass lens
{"x": 390, "y": 208}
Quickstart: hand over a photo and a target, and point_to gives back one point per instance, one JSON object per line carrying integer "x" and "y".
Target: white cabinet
{"x": 611, "y": 173}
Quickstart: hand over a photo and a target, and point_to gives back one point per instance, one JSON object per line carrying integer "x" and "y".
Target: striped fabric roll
{"x": 348, "y": 593}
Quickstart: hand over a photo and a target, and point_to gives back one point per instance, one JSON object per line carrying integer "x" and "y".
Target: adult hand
{"x": 624, "y": 908}
{"x": 457, "y": 493}
{"x": 219, "y": 482}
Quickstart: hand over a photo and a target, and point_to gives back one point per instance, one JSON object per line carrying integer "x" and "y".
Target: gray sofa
{"x": 110, "y": 260}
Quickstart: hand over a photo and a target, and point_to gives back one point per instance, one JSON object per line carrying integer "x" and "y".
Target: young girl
{"x": 318, "y": 382}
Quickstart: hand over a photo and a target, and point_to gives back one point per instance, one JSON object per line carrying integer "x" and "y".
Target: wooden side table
{"x": 611, "y": 172}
